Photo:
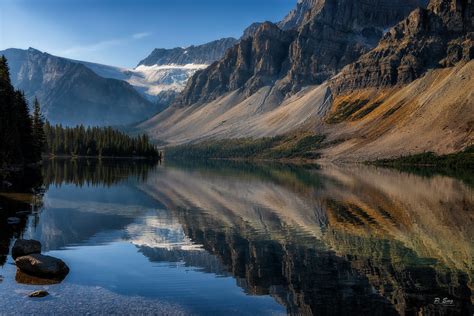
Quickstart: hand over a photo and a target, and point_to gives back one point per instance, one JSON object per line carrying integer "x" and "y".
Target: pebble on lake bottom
{"x": 39, "y": 293}
{"x": 13, "y": 220}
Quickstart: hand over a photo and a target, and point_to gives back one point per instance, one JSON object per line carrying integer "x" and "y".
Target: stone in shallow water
{"x": 23, "y": 278}
{"x": 25, "y": 247}
{"x": 43, "y": 266}
{"x": 13, "y": 220}
{"x": 39, "y": 293}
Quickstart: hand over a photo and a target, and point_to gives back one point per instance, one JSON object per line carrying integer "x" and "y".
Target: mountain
{"x": 74, "y": 91}
{"x": 164, "y": 73}
{"x": 332, "y": 34}
{"x": 378, "y": 79}
{"x": 201, "y": 54}
{"x": 71, "y": 93}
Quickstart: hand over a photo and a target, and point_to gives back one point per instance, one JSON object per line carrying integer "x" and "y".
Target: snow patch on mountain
{"x": 156, "y": 79}
{"x": 151, "y": 81}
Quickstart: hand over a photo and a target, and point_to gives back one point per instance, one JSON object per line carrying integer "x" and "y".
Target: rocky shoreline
{"x": 35, "y": 268}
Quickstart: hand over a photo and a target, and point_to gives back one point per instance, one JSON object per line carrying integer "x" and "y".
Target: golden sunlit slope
{"x": 433, "y": 113}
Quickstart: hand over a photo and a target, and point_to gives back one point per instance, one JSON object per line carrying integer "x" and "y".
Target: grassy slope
{"x": 293, "y": 146}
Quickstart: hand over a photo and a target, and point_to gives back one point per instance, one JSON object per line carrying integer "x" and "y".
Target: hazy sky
{"x": 122, "y": 32}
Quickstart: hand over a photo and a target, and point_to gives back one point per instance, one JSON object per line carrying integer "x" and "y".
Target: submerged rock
{"x": 13, "y": 220}
{"x": 43, "y": 266}
{"x": 23, "y": 278}
{"x": 23, "y": 247}
{"x": 39, "y": 293}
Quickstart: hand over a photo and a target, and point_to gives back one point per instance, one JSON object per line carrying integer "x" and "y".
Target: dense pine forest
{"x": 96, "y": 142}
{"x": 22, "y": 137}
{"x": 25, "y": 136}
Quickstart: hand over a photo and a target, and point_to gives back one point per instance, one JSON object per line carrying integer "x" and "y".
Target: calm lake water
{"x": 227, "y": 238}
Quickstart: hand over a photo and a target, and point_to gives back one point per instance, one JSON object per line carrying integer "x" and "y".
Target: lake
{"x": 236, "y": 238}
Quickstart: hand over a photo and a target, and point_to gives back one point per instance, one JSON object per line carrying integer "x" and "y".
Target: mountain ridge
{"x": 63, "y": 85}
{"x": 195, "y": 54}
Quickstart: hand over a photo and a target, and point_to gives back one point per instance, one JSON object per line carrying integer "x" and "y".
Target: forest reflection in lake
{"x": 241, "y": 238}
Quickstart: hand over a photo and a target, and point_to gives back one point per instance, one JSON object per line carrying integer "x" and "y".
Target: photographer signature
{"x": 443, "y": 301}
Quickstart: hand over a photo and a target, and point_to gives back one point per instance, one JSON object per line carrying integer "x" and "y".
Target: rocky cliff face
{"x": 296, "y": 17}
{"x": 332, "y": 34}
{"x": 201, "y": 54}
{"x": 252, "y": 63}
{"x": 439, "y": 36}
{"x": 71, "y": 93}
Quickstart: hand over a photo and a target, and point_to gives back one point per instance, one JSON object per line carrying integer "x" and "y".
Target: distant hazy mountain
{"x": 71, "y": 93}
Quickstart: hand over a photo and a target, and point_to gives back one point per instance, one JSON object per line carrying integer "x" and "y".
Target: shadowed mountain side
{"x": 71, "y": 93}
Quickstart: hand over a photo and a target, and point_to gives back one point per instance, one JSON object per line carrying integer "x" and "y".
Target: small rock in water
{"x": 42, "y": 266}
{"x": 1, "y": 279}
{"x": 40, "y": 293}
{"x": 6, "y": 184}
{"x": 23, "y": 247}
{"x": 13, "y": 220}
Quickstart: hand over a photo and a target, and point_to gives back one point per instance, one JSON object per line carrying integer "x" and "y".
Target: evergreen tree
{"x": 25, "y": 127}
{"x": 38, "y": 130}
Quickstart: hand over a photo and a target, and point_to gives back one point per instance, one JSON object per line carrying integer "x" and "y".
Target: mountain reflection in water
{"x": 330, "y": 240}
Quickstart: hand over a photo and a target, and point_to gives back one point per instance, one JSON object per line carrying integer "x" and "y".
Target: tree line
{"x": 22, "y": 138}
{"x": 96, "y": 142}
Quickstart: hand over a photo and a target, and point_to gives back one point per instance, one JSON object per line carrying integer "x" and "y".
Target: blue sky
{"x": 122, "y": 32}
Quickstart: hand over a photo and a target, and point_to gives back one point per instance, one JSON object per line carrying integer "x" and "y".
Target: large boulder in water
{"x": 24, "y": 247}
{"x": 42, "y": 266}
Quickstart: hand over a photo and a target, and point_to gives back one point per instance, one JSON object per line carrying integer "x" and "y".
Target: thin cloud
{"x": 141, "y": 35}
{"x": 102, "y": 45}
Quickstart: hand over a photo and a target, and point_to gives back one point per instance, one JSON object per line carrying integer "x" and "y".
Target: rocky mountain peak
{"x": 312, "y": 44}
{"x": 200, "y": 54}
{"x": 439, "y": 36}
{"x": 296, "y": 17}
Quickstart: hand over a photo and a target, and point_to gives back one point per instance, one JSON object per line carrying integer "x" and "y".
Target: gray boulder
{"x": 42, "y": 266}
{"x": 23, "y": 247}
{"x": 38, "y": 294}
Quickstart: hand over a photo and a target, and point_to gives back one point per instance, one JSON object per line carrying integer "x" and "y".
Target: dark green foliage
{"x": 391, "y": 111}
{"x": 279, "y": 147}
{"x": 345, "y": 110}
{"x": 96, "y": 142}
{"x": 17, "y": 139}
{"x": 463, "y": 159}
{"x": 38, "y": 130}
{"x": 459, "y": 165}
{"x": 367, "y": 110}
